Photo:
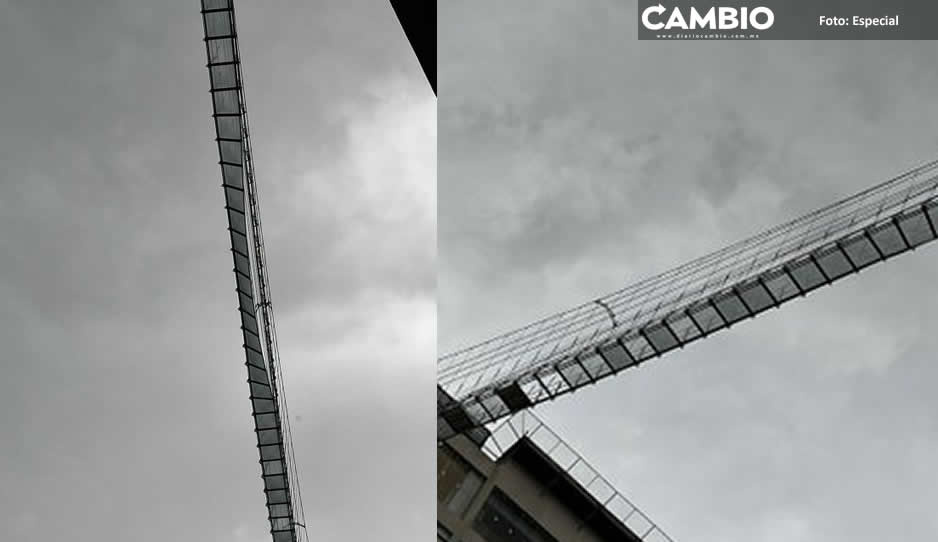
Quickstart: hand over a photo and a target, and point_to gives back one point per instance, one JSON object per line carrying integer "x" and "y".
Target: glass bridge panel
{"x": 931, "y": 209}
{"x": 237, "y": 223}
{"x": 257, "y": 374}
{"x": 226, "y": 102}
{"x": 276, "y": 481}
{"x": 218, "y": 24}
{"x": 706, "y": 317}
{"x": 228, "y": 127}
{"x": 534, "y": 391}
{"x": 860, "y": 250}
{"x": 239, "y": 243}
{"x": 616, "y": 356}
{"x": 223, "y": 76}
{"x": 888, "y": 239}
{"x": 253, "y": 341}
{"x": 582, "y": 473}
{"x": 270, "y": 453}
{"x": 271, "y": 467}
{"x": 731, "y": 308}
{"x": 235, "y": 199}
{"x": 573, "y": 373}
{"x": 834, "y": 263}
{"x": 215, "y": 4}
{"x": 477, "y": 412}
{"x": 684, "y": 328}
{"x": 277, "y": 496}
{"x": 261, "y": 390}
{"x": 245, "y": 302}
{"x": 230, "y": 152}
{"x": 262, "y": 406}
{"x": 755, "y": 295}
{"x": 494, "y": 406}
{"x": 563, "y": 455}
{"x": 781, "y": 286}
{"x": 620, "y": 508}
{"x": 660, "y": 338}
{"x": 915, "y": 227}
{"x": 656, "y": 535}
{"x": 513, "y": 395}
{"x": 265, "y": 421}
{"x": 255, "y": 358}
{"x": 601, "y": 490}
{"x": 638, "y": 347}
{"x": 241, "y": 262}
{"x": 545, "y": 439}
{"x": 248, "y": 321}
{"x": 268, "y": 436}
{"x": 231, "y": 175}
{"x": 220, "y": 50}
{"x": 807, "y": 275}
{"x": 595, "y": 366}
{"x": 279, "y": 510}
{"x": 553, "y": 381}
{"x": 639, "y": 524}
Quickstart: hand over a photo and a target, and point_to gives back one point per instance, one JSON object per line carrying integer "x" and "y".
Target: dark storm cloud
{"x": 123, "y": 396}
{"x": 575, "y": 159}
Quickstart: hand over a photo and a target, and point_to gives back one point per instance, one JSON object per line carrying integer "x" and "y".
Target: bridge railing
{"x": 525, "y": 424}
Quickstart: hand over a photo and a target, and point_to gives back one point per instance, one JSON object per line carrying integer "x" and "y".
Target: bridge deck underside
{"x": 579, "y": 347}
{"x": 228, "y": 107}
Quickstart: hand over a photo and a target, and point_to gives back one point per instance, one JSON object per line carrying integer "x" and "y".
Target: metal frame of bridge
{"x": 559, "y": 354}
{"x": 268, "y": 404}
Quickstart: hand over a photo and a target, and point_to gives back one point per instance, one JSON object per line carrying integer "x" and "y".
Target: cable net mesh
{"x": 646, "y": 319}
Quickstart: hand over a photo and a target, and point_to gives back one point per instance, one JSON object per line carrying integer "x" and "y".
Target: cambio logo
{"x": 715, "y": 18}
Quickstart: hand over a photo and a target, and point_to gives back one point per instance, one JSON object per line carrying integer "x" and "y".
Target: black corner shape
{"x": 418, "y": 18}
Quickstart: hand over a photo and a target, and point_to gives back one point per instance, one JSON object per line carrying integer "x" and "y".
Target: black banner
{"x": 788, "y": 20}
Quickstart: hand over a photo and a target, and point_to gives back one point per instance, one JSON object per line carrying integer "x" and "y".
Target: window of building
{"x": 501, "y": 520}
{"x": 457, "y": 483}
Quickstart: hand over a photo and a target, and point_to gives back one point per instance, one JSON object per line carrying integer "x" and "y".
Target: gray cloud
{"x": 123, "y": 399}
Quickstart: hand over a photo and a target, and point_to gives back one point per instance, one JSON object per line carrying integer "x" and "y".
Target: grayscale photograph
{"x": 663, "y": 271}
{"x": 150, "y": 236}
{"x": 685, "y": 286}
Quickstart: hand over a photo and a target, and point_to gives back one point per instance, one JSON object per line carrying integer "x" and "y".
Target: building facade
{"x": 519, "y": 489}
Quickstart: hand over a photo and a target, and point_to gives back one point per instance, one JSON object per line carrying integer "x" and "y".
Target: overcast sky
{"x": 123, "y": 402}
{"x": 574, "y": 160}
